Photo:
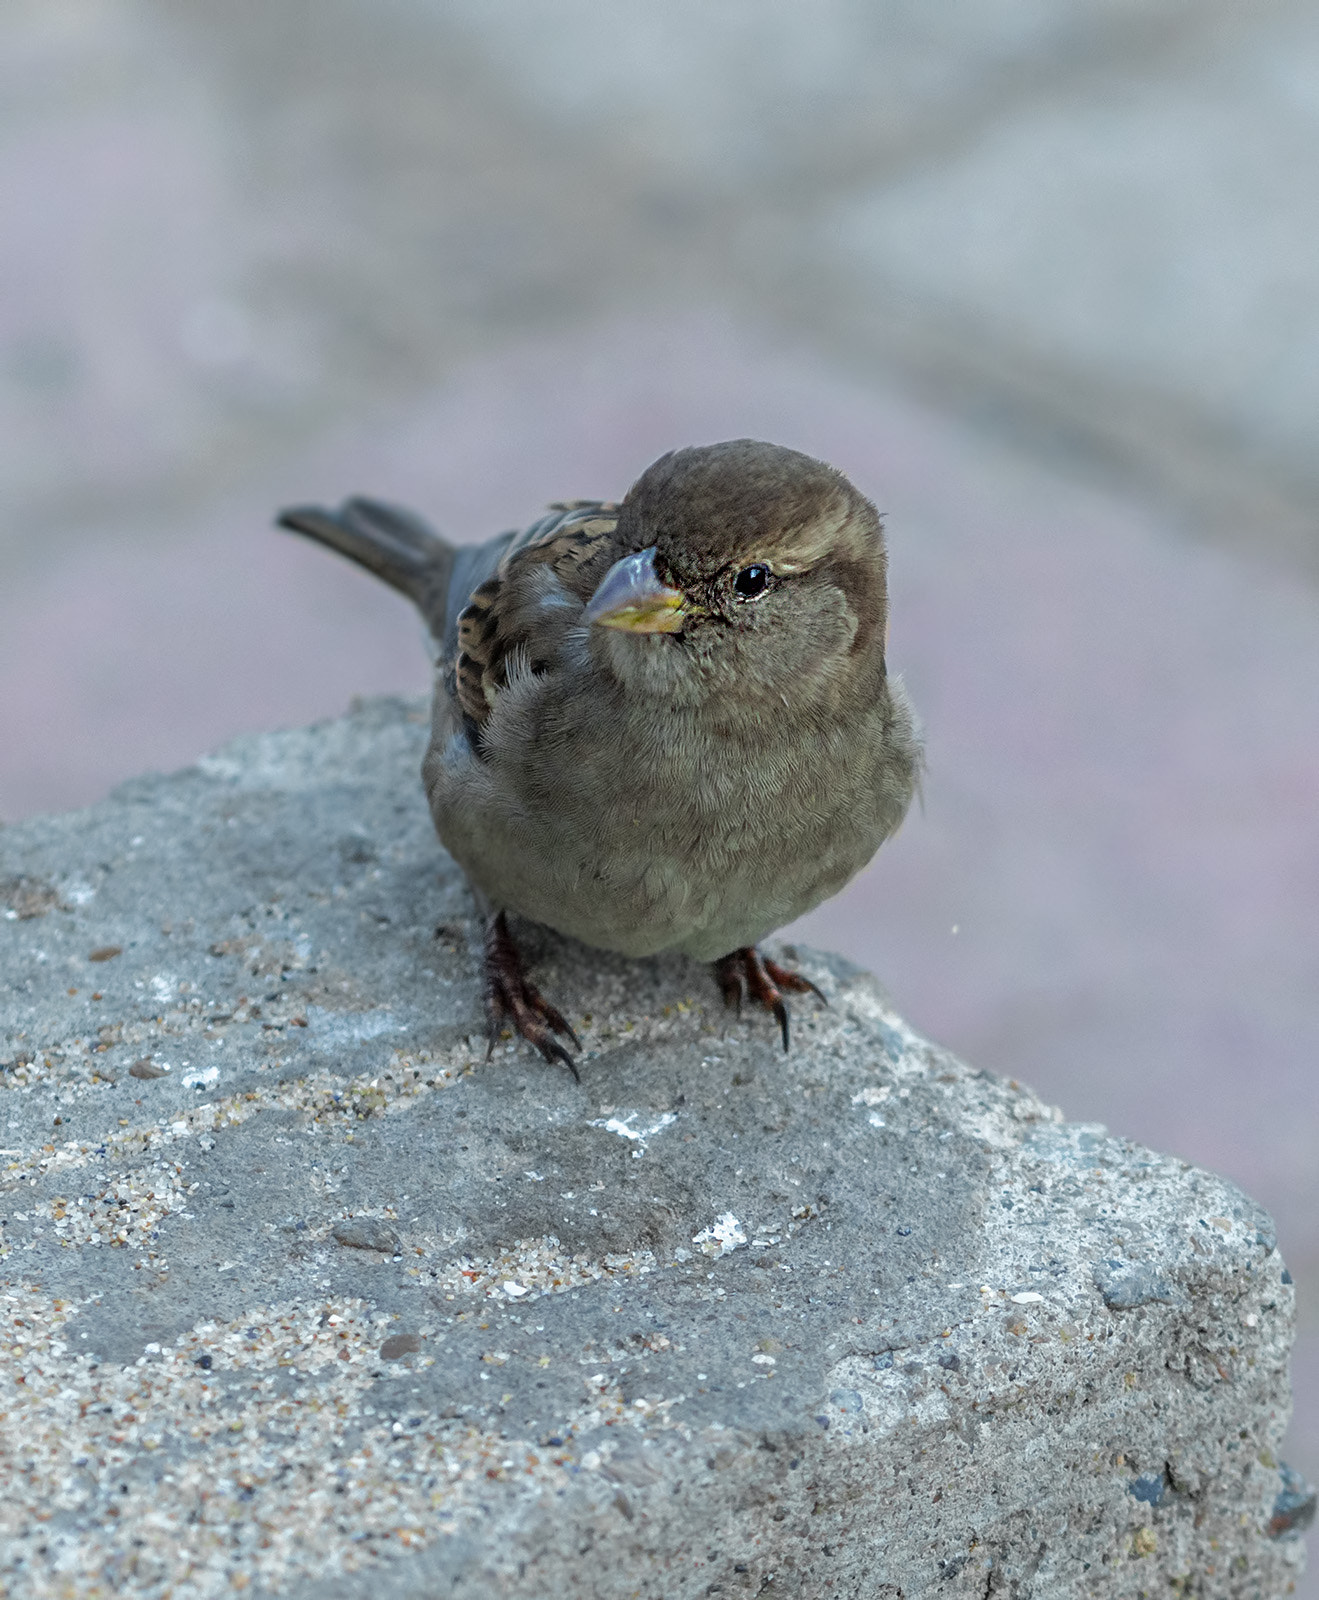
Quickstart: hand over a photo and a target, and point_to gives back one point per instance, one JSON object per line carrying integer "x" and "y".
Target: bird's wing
{"x": 542, "y": 579}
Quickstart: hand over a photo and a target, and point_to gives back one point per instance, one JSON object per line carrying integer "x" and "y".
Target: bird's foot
{"x": 747, "y": 974}
{"x": 510, "y": 997}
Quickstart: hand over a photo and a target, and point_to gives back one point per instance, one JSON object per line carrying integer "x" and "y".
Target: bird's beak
{"x": 631, "y": 597}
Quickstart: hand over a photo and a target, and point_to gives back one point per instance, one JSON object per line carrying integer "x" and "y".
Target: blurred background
{"x": 1041, "y": 275}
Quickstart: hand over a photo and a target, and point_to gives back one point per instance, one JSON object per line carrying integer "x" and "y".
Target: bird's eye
{"x": 751, "y": 582}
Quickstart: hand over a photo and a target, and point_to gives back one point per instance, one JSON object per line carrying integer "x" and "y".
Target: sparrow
{"x": 660, "y": 724}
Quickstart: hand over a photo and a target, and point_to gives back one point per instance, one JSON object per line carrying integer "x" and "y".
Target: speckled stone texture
{"x": 305, "y": 1297}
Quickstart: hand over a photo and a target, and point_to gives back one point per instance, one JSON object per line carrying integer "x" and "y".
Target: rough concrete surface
{"x": 307, "y": 1297}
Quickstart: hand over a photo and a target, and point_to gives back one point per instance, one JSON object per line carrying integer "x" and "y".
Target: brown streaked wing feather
{"x": 578, "y": 551}
{"x": 578, "y": 545}
{"x": 478, "y": 622}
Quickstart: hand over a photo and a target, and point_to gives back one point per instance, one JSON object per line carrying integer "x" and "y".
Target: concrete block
{"x": 328, "y": 1304}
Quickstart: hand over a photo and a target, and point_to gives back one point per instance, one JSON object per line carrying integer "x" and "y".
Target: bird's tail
{"x": 393, "y": 543}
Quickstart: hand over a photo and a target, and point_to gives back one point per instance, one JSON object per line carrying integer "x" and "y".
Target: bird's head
{"x": 754, "y": 567}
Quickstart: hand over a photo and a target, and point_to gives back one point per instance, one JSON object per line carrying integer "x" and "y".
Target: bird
{"x": 664, "y": 723}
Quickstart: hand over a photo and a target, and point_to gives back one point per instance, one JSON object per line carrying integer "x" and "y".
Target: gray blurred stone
{"x": 716, "y": 101}
{"x": 366, "y": 1233}
{"x": 715, "y": 1318}
{"x": 1152, "y": 231}
{"x": 1125, "y": 1285}
{"x": 1293, "y": 1510}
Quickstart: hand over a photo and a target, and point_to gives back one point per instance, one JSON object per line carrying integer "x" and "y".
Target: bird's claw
{"x": 729, "y": 978}
{"x": 510, "y": 997}
{"x": 747, "y": 972}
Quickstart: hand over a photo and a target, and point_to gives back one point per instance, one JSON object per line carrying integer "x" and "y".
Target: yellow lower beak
{"x": 633, "y": 598}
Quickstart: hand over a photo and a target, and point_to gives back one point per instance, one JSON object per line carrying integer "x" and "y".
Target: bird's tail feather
{"x": 393, "y": 543}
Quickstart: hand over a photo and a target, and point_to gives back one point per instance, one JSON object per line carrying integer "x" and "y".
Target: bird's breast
{"x": 640, "y": 833}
